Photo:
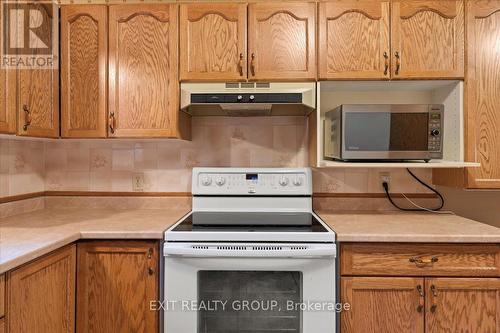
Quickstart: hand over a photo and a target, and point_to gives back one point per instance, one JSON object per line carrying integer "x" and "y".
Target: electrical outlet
{"x": 384, "y": 177}
{"x": 138, "y": 182}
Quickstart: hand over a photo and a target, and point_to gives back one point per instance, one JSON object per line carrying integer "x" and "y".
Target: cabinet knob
{"x": 151, "y": 271}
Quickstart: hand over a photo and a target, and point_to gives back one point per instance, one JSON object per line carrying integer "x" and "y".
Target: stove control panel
{"x": 252, "y": 181}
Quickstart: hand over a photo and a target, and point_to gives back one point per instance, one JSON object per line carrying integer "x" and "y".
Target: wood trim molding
{"x": 188, "y": 194}
{"x": 19, "y": 197}
{"x": 374, "y": 195}
{"x": 114, "y": 194}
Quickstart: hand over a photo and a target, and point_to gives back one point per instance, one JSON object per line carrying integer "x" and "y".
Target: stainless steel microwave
{"x": 384, "y": 132}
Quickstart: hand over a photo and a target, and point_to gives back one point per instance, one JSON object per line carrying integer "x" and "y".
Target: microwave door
{"x": 385, "y": 135}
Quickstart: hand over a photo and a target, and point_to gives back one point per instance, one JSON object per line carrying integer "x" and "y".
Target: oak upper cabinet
{"x": 482, "y": 91}
{"x": 462, "y": 305}
{"x": 353, "y": 39}
{"x": 83, "y": 71}
{"x": 143, "y": 71}
{"x": 281, "y": 41}
{"x": 41, "y": 294}
{"x": 7, "y": 101}
{"x": 116, "y": 282}
{"x": 213, "y": 41}
{"x": 38, "y": 89}
{"x": 427, "y": 39}
{"x": 392, "y": 305}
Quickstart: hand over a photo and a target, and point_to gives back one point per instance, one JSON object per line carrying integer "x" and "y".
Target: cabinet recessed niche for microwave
{"x": 447, "y": 92}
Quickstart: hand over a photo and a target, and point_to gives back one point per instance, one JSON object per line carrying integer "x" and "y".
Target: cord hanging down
{"x": 419, "y": 208}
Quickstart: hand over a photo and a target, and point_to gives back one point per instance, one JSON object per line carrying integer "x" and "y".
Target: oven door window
{"x": 249, "y": 301}
{"x": 385, "y": 131}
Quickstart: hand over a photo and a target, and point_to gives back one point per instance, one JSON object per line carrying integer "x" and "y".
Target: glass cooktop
{"x": 251, "y": 222}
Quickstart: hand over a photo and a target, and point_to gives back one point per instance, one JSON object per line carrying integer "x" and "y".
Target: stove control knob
{"x": 283, "y": 181}
{"x": 240, "y": 98}
{"x": 297, "y": 181}
{"x": 206, "y": 180}
{"x": 435, "y": 132}
{"x": 220, "y": 181}
{"x": 252, "y": 98}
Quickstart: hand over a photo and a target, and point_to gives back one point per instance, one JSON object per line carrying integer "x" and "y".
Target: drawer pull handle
{"x": 252, "y": 64}
{"x": 420, "y": 261}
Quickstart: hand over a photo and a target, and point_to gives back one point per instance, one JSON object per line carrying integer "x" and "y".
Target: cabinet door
{"x": 213, "y": 41}
{"x": 281, "y": 41}
{"x": 41, "y": 294}
{"x": 482, "y": 94}
{"x": 390, "y": 305}
{"x": 38, "y": 89}
{"x": 462, "y": 305}
{"x": 83, "y": 71}
{"x": 7, "y": 101}
{"x": 116, "y": 282}
{"x": 143, "y": 75}
{"x": 427, "y": 39}
{"x": 354, "y": 40}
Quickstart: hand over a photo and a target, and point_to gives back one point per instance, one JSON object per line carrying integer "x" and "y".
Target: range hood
{"x": 248, "y": 98}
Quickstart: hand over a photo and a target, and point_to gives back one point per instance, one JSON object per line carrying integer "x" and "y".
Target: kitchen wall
{"x": 477, "y": 205}
{"x": 165, "y": 165}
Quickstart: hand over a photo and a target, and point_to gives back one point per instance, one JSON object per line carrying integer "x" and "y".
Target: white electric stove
{"x": 251, "y": 238}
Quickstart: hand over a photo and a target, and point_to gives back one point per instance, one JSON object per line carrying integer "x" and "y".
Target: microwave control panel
{"x": 207, "y": 181}
{"x": 435, "y": 131}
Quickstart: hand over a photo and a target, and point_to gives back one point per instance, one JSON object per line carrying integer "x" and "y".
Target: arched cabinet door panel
{"x": 354, "y": 40}
{"x": 281, "y": 41}
{"x": 84, "y": 55}
{"x": 143, "y": 75}
{"x": 427, "y": 39}
{"x": 213, "y": 42}
{"x": 38, "y": 89}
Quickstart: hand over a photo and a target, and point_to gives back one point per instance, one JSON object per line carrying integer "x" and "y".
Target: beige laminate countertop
{"x": 28, "y": 236}
{"x": 408, "y": 227}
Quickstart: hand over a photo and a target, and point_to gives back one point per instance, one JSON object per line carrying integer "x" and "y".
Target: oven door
{"x": 211, "y": 288}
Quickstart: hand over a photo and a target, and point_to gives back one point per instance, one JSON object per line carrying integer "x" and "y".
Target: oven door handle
{"x": 298, "y": 251}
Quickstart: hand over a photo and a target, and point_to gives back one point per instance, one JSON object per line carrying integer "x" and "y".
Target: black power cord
{"x": 386, "y": 188}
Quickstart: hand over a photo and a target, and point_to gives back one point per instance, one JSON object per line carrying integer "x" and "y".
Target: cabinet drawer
{"x": 396, "y": 259}
{"x": 2, "y": 296}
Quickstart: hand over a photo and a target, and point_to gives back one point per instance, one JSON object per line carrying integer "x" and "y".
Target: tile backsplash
{"x": 165, "y": 165}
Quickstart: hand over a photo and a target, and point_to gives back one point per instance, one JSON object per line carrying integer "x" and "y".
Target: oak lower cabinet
{"x": 116, "y": 281}
{"x": 41, "y": 294}
{"x": 381, "y": 304}
{"x": 440, "y": 296}
{"x": 84, "y": 56}
{"x": 143, "y": 72}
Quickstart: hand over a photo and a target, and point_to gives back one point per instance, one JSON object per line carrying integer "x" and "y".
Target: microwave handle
{"x": 299, "y": 251}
